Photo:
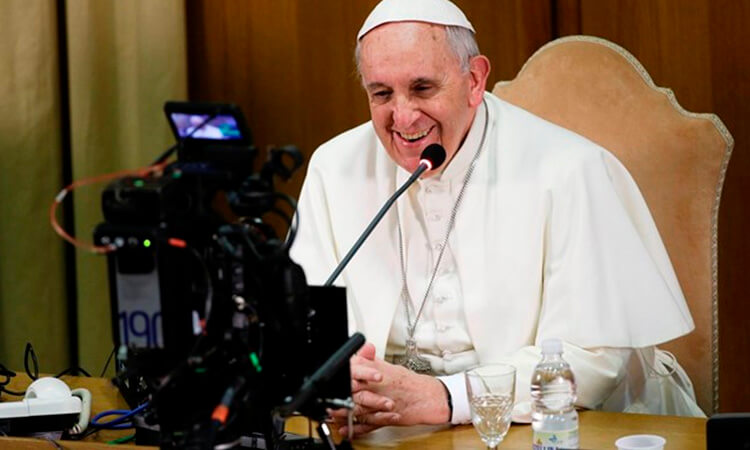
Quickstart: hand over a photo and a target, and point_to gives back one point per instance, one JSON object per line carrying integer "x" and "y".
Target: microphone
{"x": 430, "y": 159}
{"x": 433, "y": 156}
{"x": 330, "y": 368}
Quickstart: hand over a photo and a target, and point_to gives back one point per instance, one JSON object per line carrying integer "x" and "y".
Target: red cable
{"x": 99, "y": 249}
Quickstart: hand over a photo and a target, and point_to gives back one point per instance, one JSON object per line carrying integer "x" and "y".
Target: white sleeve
{"x": 597, "y": 372}
{"x": 314, "y": 246}
{"x": 608, "y": 281}
{"x": 460, "y": 399}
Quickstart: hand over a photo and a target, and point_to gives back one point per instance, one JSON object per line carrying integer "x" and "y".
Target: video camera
{"x": 216, "y": 325}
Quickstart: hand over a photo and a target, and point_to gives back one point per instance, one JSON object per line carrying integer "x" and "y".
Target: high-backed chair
{"x": 678, "y": 159}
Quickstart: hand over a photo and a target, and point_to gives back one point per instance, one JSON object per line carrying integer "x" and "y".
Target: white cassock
{"x": 551, "y": 239}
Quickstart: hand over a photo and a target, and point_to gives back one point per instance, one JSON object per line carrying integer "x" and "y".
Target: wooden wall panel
{"x": 508, "y": 32}
{"x": 730, "y": 74}
{"x": 670, "y": 38}
{"x": 289, "y": 64}
{"x": 566, "y": 17}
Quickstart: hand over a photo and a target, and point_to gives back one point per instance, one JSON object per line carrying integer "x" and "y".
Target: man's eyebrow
{"x": 423, "y": 80}
{"x": 376, "y": 85}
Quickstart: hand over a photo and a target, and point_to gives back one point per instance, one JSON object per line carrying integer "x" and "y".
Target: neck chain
{"x": 411, "y": 359}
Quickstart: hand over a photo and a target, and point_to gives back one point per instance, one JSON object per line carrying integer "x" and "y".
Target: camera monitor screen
{"x": 204, "y": 126}
{"x": 200, "y": 124}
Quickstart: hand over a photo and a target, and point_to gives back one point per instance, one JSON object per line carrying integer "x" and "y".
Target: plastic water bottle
{"x": 553, "y": 394}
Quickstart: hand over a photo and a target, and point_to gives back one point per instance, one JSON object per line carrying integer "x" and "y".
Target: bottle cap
{"x": 552, "y": 346}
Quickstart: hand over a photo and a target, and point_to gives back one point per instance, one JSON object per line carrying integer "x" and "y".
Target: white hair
{"x": 461, "y": 41}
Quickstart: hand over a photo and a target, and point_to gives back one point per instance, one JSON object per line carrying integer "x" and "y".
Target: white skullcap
{"x": 440, "y": 12}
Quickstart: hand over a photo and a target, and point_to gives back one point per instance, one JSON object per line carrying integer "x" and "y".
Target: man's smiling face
{"x": 417, "y": 91}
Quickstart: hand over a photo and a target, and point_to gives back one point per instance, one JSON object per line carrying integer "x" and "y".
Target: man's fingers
{"x": 368, "y": 422}
{"x": 367, "y": 351}
{"x": 343, "y": 413}
{"x": 368, "y": 406}
{"x": 379, "y": 418}
{"x": 371, "y": 400}
{"x": 361, "y": 372}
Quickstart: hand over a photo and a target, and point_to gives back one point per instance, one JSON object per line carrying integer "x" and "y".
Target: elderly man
{"x": 527, "y": 231}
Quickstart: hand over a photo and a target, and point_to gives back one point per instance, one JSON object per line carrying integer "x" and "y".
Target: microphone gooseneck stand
{"x": 431, "y": 158}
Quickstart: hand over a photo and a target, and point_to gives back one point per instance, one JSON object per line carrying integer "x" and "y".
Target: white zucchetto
{"x": 440, "y": 12}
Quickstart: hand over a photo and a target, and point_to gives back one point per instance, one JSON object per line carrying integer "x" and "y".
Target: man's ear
{"x": 479, "y": 71}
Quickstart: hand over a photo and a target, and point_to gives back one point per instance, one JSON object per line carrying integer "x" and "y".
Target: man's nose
{"x": 405, "y": 113}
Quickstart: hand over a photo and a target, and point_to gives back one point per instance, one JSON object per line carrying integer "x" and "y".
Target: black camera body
{"x": 208, "y": 310}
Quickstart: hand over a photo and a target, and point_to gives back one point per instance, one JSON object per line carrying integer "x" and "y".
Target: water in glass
{"x": 491, "y": 391}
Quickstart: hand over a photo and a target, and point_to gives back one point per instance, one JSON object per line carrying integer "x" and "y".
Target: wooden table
{"x": 598, "y": 430}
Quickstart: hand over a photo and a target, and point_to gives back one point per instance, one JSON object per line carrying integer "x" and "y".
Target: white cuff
{"x": 457, "y": 387}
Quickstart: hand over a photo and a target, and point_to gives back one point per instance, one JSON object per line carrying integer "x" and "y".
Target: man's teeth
{"x": 415, "y": 136}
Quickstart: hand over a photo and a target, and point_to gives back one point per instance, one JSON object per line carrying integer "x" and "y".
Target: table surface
{"x": 598, "y": 430}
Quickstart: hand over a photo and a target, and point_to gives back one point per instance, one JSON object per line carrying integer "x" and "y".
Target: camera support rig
{"x": 217, "y": 325}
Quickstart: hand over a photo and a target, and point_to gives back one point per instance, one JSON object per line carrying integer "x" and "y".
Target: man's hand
{"x": 387, "y": 394}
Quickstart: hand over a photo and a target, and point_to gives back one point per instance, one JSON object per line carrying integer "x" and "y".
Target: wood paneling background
{"x": 289, "y": 64}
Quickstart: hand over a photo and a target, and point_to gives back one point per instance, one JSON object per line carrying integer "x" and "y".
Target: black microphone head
{"x": 433, "y": 155}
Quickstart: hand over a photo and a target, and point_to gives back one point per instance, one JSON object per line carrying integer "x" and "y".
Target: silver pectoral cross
{"x": 411, "y": 359}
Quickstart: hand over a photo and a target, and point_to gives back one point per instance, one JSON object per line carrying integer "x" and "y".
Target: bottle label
{"x": 555, "y": 440}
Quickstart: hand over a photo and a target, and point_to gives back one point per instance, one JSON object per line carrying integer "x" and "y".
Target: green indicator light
{"x": 147, "y": 243}
{"x": 255, "y": 361}
{"x": 200, "y": 370}
{"x": 176, "y": 174}
{"x": 138, "y": 183}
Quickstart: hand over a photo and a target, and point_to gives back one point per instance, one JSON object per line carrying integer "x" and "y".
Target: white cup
{"x": 641, "y": 442}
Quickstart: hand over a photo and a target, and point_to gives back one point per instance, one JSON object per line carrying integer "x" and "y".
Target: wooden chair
{"x": 677, "y": 158}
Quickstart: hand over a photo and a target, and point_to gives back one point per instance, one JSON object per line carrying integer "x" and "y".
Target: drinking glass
{"x": 491, "y": 390}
